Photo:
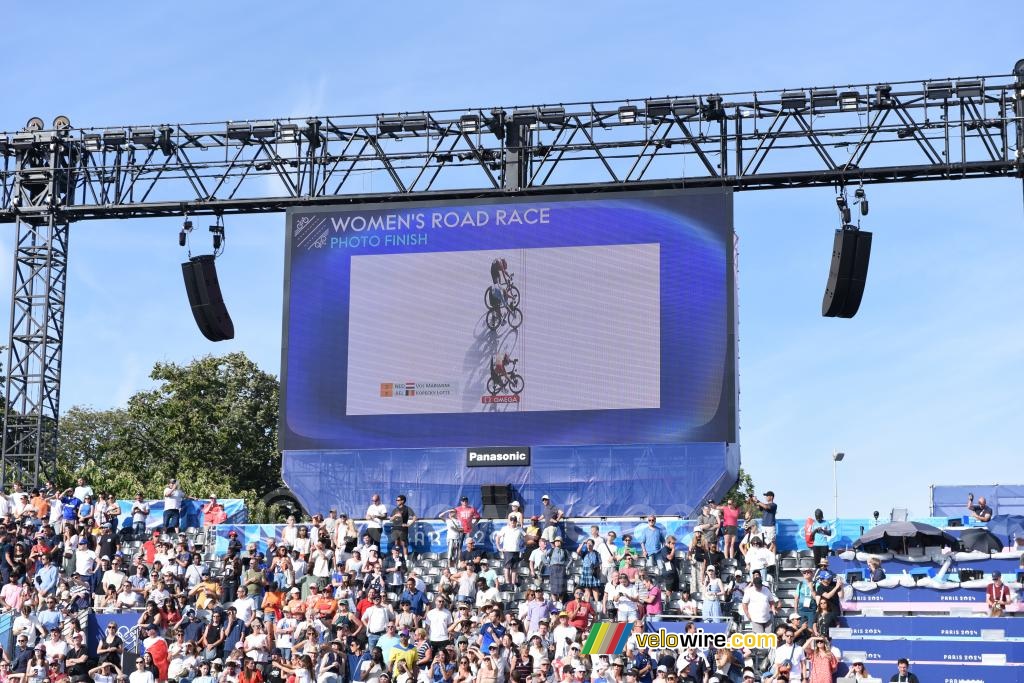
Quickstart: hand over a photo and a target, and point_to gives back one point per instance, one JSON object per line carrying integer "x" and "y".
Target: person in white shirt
{"x": 510, "y": 541}
{"x": 758, "y": 557}
{"x": 438, "y": 621}
{"x": 172, "y": 505}
{"x": 82, "y": 490}
{"x": 376, "y": 513}
{"x": 85, "y": 559}
{"x": 141, "y": 673}
{"x": 563, "y": 635}
{"x": 245, "y": 606}
{"x": 788, "y": 652}
{"x": 26, "y": 624}
{"x": 759, "y": 605}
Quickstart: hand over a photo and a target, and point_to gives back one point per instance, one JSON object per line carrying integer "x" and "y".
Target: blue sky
{"x": 922, "y": 387}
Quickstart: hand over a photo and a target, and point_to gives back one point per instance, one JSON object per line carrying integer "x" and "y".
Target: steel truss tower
{"x": 836, "y": 136}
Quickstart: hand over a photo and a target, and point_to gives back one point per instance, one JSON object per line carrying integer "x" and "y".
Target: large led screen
{"x": 573, "y": 320}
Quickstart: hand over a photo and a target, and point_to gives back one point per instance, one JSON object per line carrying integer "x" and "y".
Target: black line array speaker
{"x": 205, "y": 298}
{"x": 496, "y": 499}
{"x": 851, "y": 252}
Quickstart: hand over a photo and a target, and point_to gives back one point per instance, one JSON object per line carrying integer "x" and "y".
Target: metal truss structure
{"x": 835, "y": 136}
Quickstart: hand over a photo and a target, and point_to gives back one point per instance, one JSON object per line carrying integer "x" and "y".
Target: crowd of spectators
{"x": 323, "y": 602}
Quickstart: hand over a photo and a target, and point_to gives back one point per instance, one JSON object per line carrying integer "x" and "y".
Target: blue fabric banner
{"x": 191, "y": 512}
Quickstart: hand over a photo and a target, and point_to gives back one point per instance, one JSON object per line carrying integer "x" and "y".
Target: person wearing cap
{"x": 466, "y": 516}
{"x": 510, "y": 541}
{"x": 551, "y": 515}
{"x": 403, "y": 651}
{"x": 828, "y": 587}
{"x": 857, "y": 668}
{"x": 997, "y": 595}
{"x": 556, "y": 560}
{"x": 769, "y": 512}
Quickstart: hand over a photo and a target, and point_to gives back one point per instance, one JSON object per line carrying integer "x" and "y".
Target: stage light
{"x": 965, "y": 89}
{"x": 444, "y": 158}
{"x": 389, "y": 124}
{"x": 469, "y": 123}
{"x": 849, "y": 100}
{"x": 144, "y": 136}
{"x": 115, "y": 137}
{"x": 904, "y": 133}
{"x": 861, "y": 198}
{"x": 263, "y": 130}
{"x": 496, "y": 124}
{"x": 23, "y": 141}
{"x": 5, "y": 146}
{"x": 941, "y": 90}
{"x": 554, "y": 115}
{"x": 312, "y": 132}
{"x": 166, "y": 144}
{"x": 685, "y": 108}
{"x": 61, "y": 123}
{"x": 414, "y": 123}
{"x": 186, "y": 228}
{"x": 525, "y": 117}
{"x": 658, "y": 108}
{"x": 34, "y": 125}
{"x": 714, "y": 110}
{"x": 844, "y": 209}
{"x": 289, "y": 133}
{"x": 92, "y": 142}
{"x": 181, "y": 238}
{"x": 627, "y": 114}
{"x": 824, "y": 98}
{"x": 883, "y": 96}
{"x": 794, "y": 99}
{"x": 239, "y": 131}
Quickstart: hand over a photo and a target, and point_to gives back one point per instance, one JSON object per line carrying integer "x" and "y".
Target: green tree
{"x": 212, "y": 424}
{"x": 741, "y": 491}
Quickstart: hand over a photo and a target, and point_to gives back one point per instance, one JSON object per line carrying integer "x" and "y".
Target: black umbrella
{"x": 1006, "y": 526}
{"x": 980, "y": 539}
{"x": 910, "y": 533}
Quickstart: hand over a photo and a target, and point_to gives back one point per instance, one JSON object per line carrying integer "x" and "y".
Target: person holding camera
{"x": 173, "y": 496}
{"x": 997, "y": 595}
{"x": 980, "y": 512}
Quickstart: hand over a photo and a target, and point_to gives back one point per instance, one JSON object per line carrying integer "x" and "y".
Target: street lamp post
{"x": 837, "y": 457}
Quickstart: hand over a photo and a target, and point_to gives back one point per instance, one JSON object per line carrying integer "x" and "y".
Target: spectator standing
{"x": 551, "y": 514}
{"x": 510, "y": 540}
{"x": 997, "y": 595}
{"x": 712, "y": 592}
{"x": 82, "y": 489}
{"x": 759, "y": 604}
{"x": 769, "y": 513}
{"x": 556, "y": 560}
{"x": 820, "y": 660}
{"x": 376, "y": 513}
{"x": 822, "y": 533}
{"x": 465, "y": 516}
{"x": 140, "y": 510}
{"x": 652, "y": 540}
{"x": 173, "y": 496}
{"x": 402, "y": 517}
{"x": 730, "y": 526}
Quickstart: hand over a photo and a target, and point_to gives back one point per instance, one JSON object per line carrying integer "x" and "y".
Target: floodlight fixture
{"x": 849, "y": 100}
{"x": 415, "y": 122}
{"x": 525, "y": 117}
{"x": 239, "y": 131}
{"x": 115, "y": 137}
{"x": 389, "y": 124}
{"x": 288, "y": 133}
{"x": 824, "y": 98}
{"x": 938, "y": 90}
{"x": 685, "y": 108}
{"x": 92, "y": 142}
{"x": 144, "y": 136}
{"x": 166, "y": 143}
{"x": 312, "y": 132}
{"x": 627, "y": 114}
{"x": 5, "y": 145}
{"x": 469, "y": 123}
{"x": 969, "y": 89}
{"x": 23, "y": 141}
{"x": 794, "y": 99}
{"x": 658, "y": 108}
{"x": 264, "y": 130}
{"x": 555, "y": 115}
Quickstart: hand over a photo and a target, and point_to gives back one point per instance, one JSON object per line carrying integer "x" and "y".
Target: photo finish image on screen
{"x": 562, "y": 328}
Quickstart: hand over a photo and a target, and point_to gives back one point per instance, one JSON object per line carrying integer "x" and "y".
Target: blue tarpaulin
{"x": 191, "y": 512}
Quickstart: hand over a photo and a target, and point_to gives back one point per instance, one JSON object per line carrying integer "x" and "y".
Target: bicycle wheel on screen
{"x": 512, "y": 296}
{"x": 493, "y": 318}
{"x": 515, "y": 382}
{"x": 487, "y": 298}
{"x": 514, "y": 318}
{"x": 492, "y": 387}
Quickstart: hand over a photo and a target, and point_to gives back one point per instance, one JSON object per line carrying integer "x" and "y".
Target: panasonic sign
{"x": 498, "y": 457}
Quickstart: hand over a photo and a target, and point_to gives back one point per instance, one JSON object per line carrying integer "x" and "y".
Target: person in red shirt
{"x": 580, "y": 611}
{"x": 730, "y": 524}
{"x": 213, "y": 513}
{"x": 149, "y": 547}
{"x": 997, "y": 595}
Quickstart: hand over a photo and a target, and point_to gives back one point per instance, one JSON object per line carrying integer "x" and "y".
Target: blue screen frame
{"x": 698, "y": 347}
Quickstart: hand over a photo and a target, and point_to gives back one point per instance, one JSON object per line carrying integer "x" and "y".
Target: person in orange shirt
{"x": 40, "y": 505}
{"x": 326, "y": 606}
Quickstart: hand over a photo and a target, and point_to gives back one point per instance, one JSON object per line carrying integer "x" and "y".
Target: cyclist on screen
{"x": 499, "y": 270}
{"x": 498, "y": 371}
{"x": 497, "y": 296}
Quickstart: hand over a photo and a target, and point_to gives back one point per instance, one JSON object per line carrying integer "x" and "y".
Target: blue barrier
{"x": 920, "y": 594}
{"x": 938, "y": 650}
{"x": 951, "y": 672}
{"x": 933, "y": 627}
{"x": 6, "y": 626}
{"x": 191, "y": 512}
{"x": 1009, "y": 567}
